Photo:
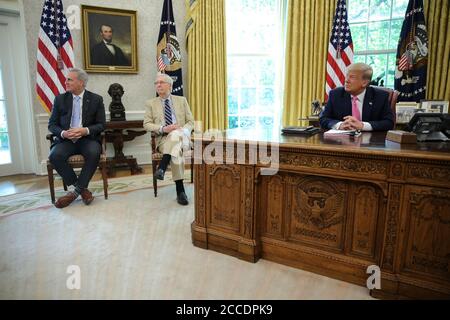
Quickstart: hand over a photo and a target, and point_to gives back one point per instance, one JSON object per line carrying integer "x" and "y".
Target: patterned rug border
{"x": 27, "y": 201}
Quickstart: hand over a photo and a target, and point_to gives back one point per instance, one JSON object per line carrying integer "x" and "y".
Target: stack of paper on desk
{"x": 333, "y": 132}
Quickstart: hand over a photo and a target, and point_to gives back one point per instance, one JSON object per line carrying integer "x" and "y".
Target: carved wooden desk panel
{"x": 334, "y": 207}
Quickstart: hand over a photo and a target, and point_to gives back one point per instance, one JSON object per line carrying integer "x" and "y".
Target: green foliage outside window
{"x": 375, "y": 27}
{"x": 253, "y": 62}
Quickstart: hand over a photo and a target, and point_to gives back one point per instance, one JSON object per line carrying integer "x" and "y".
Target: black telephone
{"x": 446, "y": 125}
{"x": 309, "y": 130}
{"x": 430, "y": 126}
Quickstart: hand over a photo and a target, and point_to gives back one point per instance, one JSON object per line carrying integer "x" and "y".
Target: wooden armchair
{"x": 157, "y": 157}
{"x": 77, "y": 161}
{"x": 393, "y": 96}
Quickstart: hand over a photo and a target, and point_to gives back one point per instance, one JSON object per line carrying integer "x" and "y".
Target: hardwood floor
{"x": 21, "y": 183}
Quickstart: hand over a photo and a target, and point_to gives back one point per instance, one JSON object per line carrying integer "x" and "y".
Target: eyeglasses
{"x": 159, "y": 82}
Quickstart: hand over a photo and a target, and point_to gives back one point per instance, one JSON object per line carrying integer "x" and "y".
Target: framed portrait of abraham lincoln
{"x": 109, "y": 40}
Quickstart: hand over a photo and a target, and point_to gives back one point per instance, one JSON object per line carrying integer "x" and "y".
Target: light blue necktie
{"x": 75, "y": 121}
{"x": 167, "y": 112}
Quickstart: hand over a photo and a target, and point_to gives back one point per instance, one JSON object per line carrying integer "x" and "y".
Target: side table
{"x": 117, "y": 132}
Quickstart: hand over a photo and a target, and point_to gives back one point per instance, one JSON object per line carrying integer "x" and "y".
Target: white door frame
{"x": 18, "y": 92}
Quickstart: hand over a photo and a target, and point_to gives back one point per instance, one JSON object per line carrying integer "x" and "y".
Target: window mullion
{"x": 367, "y": 29}
{"x": 386, "y": 67}
{"x": 254, "y": 65}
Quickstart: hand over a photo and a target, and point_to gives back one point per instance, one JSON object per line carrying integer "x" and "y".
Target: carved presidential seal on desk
{"x": 318, "y": 204}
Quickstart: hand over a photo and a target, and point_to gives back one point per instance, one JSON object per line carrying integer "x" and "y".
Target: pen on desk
{"x": 355, "y": 133}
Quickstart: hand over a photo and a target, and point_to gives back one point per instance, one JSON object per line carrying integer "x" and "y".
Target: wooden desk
{"x": 116, "y": 133}
{"x": 335, "y": 207}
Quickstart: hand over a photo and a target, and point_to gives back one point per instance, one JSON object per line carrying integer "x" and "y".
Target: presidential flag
{"x": 54, "y": 55}
{"x": 340, "y": 49}
{"x": 412, "y": 55}
{"x": 168, "y": 55}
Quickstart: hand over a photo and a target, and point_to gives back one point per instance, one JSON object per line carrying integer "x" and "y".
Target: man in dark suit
{"x": 77, "y": 120}
{"x": 106, "y": 53}
{"x": 357, "y": 106}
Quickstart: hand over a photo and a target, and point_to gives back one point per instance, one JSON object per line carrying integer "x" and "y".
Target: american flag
{"x": 54, "y": 54}
{"x": 164, "y": 60}
{"x": 161, "y": 63}
{"x": 406, "y": 62}
{"x": 340, "y": 49}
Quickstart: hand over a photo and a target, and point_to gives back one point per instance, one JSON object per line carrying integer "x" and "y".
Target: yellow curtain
{"x": 309, "y": 25}
{"x": 207, "y": 76}
{"x": 437, "y": 16}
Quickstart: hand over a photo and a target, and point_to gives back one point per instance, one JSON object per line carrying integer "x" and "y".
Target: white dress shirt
{"x": 186, "y": 132}
{"x": 81, "y": 95}
{"x": 163, "y": 103}
{"x": 359, "y": 103}
{"x": 110, "y": 47}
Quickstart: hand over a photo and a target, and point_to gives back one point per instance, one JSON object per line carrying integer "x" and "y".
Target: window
{"x": 5, "y": 153}
{"x": 375, "y": 26}
{"x": 254, "y": 58}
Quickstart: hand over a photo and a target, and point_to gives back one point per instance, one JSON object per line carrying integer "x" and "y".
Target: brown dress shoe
{"x": 64, "y": 201}
{"x": 87, "y": 196}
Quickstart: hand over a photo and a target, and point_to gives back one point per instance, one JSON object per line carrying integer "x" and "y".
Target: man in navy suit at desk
{"x": 357, "y": 106}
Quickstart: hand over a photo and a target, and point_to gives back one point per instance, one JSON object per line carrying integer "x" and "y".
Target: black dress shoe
{"x": 159, "y": 174}
{"x": 182, "y": 199}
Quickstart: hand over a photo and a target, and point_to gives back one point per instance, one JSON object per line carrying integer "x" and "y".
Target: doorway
{"x": 17, "y": 139}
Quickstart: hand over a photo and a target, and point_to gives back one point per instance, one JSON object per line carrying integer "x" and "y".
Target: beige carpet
{"x": 133, "y": 246}
{"x": 20, "y": 202}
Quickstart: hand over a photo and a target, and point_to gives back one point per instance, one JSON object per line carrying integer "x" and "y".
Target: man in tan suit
{"x": 171, "y": 119}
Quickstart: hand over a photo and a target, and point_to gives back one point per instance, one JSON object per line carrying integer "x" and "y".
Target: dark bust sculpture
{"x": 316, "y": 108}
{"x": 116, "y": 108}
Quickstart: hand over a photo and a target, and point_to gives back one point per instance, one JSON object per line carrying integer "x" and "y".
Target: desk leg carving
{"x": 198, "y": 227}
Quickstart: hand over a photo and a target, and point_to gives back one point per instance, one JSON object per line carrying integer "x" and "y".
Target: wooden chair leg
{"x": 51, "y": 182}
{"x": 105, "y": 180}
{"x": 155, "y": 183}
{"x": 192, "y": 170}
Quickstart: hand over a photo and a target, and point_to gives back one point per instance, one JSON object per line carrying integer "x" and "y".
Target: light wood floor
{"x": 21, "y": 183}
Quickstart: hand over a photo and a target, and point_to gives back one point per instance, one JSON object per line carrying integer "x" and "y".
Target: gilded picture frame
{"x": 109, "y": 40}
{"x": 406, "y": 110}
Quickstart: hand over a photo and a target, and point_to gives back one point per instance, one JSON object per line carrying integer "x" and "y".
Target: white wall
{"x": 9, "y": 5}
{"x": 138, "y": 87}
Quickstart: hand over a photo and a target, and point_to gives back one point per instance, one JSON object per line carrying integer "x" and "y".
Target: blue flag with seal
{"x": 412, "y": 55}
{"x": 168, "y": 55}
